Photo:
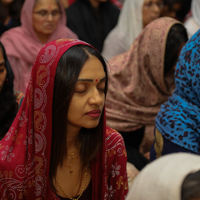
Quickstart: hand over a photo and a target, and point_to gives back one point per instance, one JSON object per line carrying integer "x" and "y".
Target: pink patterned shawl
{"x": 137, "y": 86}
{"x": 22, "y": 45}
{"x": 25, "y": 150}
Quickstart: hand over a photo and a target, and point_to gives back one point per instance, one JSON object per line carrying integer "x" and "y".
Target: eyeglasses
{"x": 151, "y": 4}
{"x": 44, "y": 14}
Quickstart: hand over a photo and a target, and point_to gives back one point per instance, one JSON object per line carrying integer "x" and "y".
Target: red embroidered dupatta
{"x": 26, "y": 148}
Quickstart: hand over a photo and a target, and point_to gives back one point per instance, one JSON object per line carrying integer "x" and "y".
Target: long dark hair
{"x": 176, "y": 37}
{"x": 67, "y": 73}
{"x": 8, "y": 104}
{"x": 190, "y": 187}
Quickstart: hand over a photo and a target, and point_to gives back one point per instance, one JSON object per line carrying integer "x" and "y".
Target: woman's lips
{"x": 49, "y": 26}
{"x": 94, "y": 113}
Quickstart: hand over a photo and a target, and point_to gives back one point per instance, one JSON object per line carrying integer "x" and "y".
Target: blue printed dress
{"x": 178, "y": 122}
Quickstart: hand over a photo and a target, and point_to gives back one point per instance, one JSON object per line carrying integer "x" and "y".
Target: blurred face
{"x": 6, "y": 2}
{"x": 95, "y": 3}
{"x": 171, "y": 12}
{"x": 46, "y": 15}
{"x": 151, "y": 11}
{"x": 3, "y": 71}
{"x": 88, "y": 99}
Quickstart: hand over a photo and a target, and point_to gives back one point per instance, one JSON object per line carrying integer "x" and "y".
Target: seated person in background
{"x": 9, "y": 14}
{"x": 171, "y": 177}
{"x": 140, "y": 80}
{"x": 10, "y": 100}
{"x": 42, "y": 21}
{"x": 92, "y": 20}
{"x": 134, "y": 16}
{"x": 59, "y": 146}
{"x": 184, "y": 12}
{"x": 171, "y": 8}
{"x": 178, "y": 122}
{"x": 192, "y": 24}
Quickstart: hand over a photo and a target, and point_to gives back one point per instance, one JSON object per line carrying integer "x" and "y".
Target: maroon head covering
{"x": 26, "y": 149}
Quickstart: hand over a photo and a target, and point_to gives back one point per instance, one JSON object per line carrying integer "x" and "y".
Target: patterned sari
{"x": 25, "y": 151}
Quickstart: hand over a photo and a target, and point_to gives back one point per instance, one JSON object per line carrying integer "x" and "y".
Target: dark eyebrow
{"x": 90, "y": 80}
{"x": 102, "y": 79}
{"x": 2, "y": 64}
{"x": 87, "y": 80}
{"x": 43, "y": 10}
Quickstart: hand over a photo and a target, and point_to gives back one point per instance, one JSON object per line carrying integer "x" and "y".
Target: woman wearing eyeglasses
{"x": 42, "y": 21}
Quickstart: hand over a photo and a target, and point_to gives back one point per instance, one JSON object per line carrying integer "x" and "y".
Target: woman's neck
{"x": 95, "y": 4}
{"x": 43, "y": 38}
{"x": 72, "y": 139}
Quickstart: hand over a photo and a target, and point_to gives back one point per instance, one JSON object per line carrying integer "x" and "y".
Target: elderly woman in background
{"x": 134, "y": 16}
{"x": 141, "y": 80}
{"x": 42, "y": 21}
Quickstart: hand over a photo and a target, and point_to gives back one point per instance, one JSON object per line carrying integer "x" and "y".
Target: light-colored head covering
{"x": 163, "y": 178}
{"x": 129, "y": 26}
{"x": 195, "y": 11}
{"x": 193, "y": 23}
{"x": 137, "y": 86}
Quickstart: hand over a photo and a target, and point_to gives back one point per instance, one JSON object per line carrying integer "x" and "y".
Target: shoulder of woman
{"x": 13, "y": 31}
{"x": 114, "y": 139}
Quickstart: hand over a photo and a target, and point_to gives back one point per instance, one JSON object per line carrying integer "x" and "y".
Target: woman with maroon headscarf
{"x": 42, "y": 21}
{"x": 58, "y": 146}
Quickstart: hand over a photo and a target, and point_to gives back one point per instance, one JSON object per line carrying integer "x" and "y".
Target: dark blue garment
{"x": 179, "y": 118}
{"x": 167, "y": 148}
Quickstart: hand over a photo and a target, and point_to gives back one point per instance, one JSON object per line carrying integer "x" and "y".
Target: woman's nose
{"x": 49, "y": 17}
{"x": 96, "y": 97}
{"x": 156, "y": 8}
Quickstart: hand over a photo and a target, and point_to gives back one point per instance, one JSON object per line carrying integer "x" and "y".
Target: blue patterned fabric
{"x": 179, "y": 118}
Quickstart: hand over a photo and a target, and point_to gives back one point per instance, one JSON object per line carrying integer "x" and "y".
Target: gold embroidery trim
{"x": 159, "y": 143}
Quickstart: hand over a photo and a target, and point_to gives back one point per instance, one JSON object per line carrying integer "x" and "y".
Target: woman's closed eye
{"x": 80, "y": 88}
{"x": 102, "y": 89}
{"x": 101, "y": 86}
{"x": 2, "y": 68}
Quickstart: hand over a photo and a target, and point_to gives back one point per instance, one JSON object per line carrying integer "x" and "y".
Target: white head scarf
{"x": 196, "y": 11}
{"x": 129, "y": 26}
{"x": 193, "y": 23}
{"x": 163, "y": 178}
